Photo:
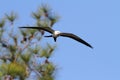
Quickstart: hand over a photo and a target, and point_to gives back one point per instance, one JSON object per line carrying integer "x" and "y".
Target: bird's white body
{"x": 56, "y": 33}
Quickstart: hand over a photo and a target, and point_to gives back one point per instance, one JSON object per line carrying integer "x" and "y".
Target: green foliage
{"x": 12, "y": 49}
{"x": 11, "y": 17}
{"x": 37, "y": 15}
{"x": 47, "y": 52}
{"x": 45, "y": 16}
{"x": 2, "y": 22}
{"x": 21, "y": 55}
{"x": 47, "y": 70}
{"x": 26, "y": 57}
{"x": 14, "y": 69}
{"x": 45, "y": 8}
{"x": 53, "y": 19}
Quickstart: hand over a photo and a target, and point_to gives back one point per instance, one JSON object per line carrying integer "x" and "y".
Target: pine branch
{"x": 11, "y": 17}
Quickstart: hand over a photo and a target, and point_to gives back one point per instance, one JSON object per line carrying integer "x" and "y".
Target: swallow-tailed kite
{"x": 56, "y": 34}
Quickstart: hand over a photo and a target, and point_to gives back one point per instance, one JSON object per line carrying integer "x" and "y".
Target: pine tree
{"x": 22, "y": 57}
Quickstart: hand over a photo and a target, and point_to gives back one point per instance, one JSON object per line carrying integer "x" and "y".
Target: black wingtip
{"x": 22, "y": 27}
{"x": 91, "y": 47}
{"x": 87, "y": 44}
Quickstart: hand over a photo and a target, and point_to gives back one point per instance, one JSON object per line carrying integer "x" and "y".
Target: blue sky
{"x": 96, "y": 21}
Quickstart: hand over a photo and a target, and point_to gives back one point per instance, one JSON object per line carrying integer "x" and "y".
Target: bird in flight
{"x": 56, "y": 34}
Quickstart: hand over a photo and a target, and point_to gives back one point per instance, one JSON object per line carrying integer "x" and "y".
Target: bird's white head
{"x": 56, "y": 33}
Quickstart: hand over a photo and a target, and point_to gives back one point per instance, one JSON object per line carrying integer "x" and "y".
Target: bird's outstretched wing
{"x": 70, "y": 35}
{"x": 48, "y": 29}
